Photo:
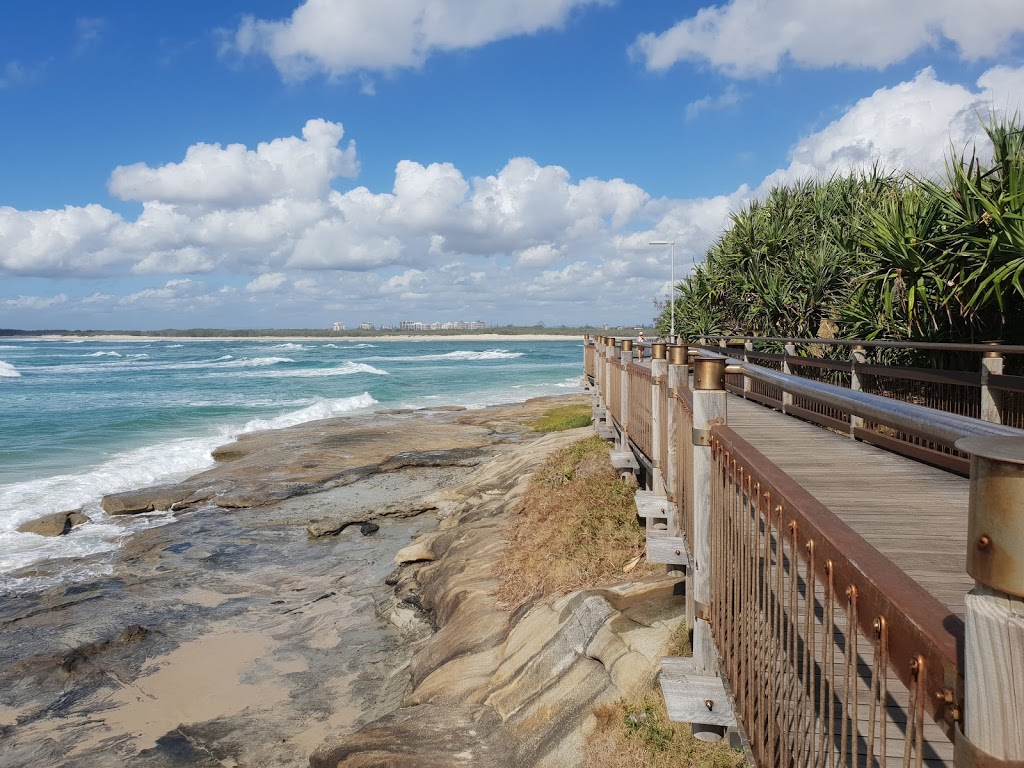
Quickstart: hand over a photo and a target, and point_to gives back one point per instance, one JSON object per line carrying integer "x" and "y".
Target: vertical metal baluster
{"x": 774, "y": 753}
{"x": 853, "y": 633}
{"x": 846, "y": 677}
{"x": 875, "y": 685}
{"x": 919, "y": 712}
{"x": 809, "y": 643}
{"x": 883, "y": 693}
{"x": 830, "y": 623}
{"x": 794, "y": 625}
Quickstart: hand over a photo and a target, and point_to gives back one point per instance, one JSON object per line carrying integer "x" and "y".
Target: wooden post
{"x": 787, "y": 398}
{"x": 709, "y": 408}
{"x": 993, "y": 724}
{"x": 627, "y": 358}
{"x": 659, "y": 374}
{"x": 748, "y": 346}
{"x": 858, "y": 357}
{"x": 991, "y": 399}
{"x": 678, "y": 378}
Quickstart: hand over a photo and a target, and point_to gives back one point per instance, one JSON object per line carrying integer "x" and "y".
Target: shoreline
{"x": 265, "y": 625}
{"x": 313, "y": 339}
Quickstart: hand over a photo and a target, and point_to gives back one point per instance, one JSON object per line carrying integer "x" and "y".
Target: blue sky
{"x": 290, "y": 164}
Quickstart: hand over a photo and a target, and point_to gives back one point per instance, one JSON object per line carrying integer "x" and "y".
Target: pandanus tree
{"x": 879, "y": 256}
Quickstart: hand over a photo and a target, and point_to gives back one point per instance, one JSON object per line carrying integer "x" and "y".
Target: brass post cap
{"x": 677, "y": 355}
{"x": 627, "y": 345}
{"x": 658, "y": 350}
{"x": 709, "y": 373}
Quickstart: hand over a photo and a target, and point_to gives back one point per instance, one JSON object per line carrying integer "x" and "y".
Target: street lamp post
{"x": 672, "y": 289}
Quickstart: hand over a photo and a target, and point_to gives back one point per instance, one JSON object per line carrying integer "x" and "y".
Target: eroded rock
{"x": 57, "y": 524}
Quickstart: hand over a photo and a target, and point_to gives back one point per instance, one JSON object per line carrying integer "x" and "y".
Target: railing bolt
{"x": 984, "y": 541}
{"x": 709, "y": 704}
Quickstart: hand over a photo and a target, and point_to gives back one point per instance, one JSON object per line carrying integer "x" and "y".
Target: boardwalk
{"x": 827, "y": 580}
{"x": 913, "y": 514}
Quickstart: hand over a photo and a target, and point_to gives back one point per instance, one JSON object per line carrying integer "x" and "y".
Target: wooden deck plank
{"x": 913, "y": 514}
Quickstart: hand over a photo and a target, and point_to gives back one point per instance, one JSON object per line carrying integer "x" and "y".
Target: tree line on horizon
{"x": 873, "y": 255}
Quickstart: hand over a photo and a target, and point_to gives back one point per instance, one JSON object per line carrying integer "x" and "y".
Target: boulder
{"x": 57, "y": 524}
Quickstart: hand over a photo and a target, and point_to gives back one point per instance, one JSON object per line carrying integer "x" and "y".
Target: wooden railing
{"x": 832, "y": 655}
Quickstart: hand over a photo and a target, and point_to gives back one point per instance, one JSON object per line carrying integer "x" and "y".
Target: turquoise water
{"x": 80, "y": 419}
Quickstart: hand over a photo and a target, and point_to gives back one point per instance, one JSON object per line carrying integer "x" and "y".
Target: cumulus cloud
{"x": 437, "y": 240}
{"x": 233, "y": 176}
{"x": 336, "y": 37}
{"x": 910, "y": 126}
{"x": 268, "y": 281}
{"x": 745, "y": 38}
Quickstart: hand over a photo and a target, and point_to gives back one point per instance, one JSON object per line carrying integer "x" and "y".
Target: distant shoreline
{"x": 312, "y": 339}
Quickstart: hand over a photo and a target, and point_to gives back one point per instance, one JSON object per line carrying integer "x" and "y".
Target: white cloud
{"x": 234, "y": 176}
{"x": 526, "y": 237}
{"x": 751, "y": 37}
{"x": 268, "y": 281}
{"x": 336, "y": 37}
{"x": 35, "y": 302}
{"x": 730, "y": 97}
{"x": 910, "y": 126}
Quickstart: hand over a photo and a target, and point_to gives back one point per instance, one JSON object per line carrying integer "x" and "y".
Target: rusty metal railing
{"x": 834, "y": 656}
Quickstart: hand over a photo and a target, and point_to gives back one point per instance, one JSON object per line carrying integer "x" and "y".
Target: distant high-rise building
{"x": 366, "y": 326}
{"x": 338, "y": 327}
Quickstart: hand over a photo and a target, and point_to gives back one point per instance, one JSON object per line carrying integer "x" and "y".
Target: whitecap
{"x": 103, "y": 354}
{"x": 8, "y": 371}
{"x": 288, "y": 345}
{"x": 174, "y": 346}
{"x": 466, "y": 354}
{"x": 137, "y": 468}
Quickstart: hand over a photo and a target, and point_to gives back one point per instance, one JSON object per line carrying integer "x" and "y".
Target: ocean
{"x": 81, "y": 419}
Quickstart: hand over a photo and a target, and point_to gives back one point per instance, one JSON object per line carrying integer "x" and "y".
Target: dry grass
{"x": 576, "y": 527}
{"x": 638, "y": 734}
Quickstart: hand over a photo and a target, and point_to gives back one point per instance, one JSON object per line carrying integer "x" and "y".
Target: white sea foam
{"x": 363, "y": 346}
{"x": 9, "y": 346}
{"x": 137, "y": 468}
{"x": 288, "y": 345}
{"x": 175, "y": 346}
{"x": 345, "y": 369}
{"x": 103, "y": 354}
{"x": 8, "y": 371}
{"x": 466, "y": 354}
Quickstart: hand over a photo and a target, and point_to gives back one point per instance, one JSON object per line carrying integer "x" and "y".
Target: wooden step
{"x": 624, "y": 460}
{"x": 648, "y": 504}
{"x": 670, "y": 550}
{"x": 688, "y": 692}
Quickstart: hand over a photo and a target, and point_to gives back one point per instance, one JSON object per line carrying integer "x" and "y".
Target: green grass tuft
{"x": 564, "y": 417}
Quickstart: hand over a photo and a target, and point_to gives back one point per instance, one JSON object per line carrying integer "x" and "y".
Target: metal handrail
{"x": 1011, "y": 349}
{"x": 940, "y": 427}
